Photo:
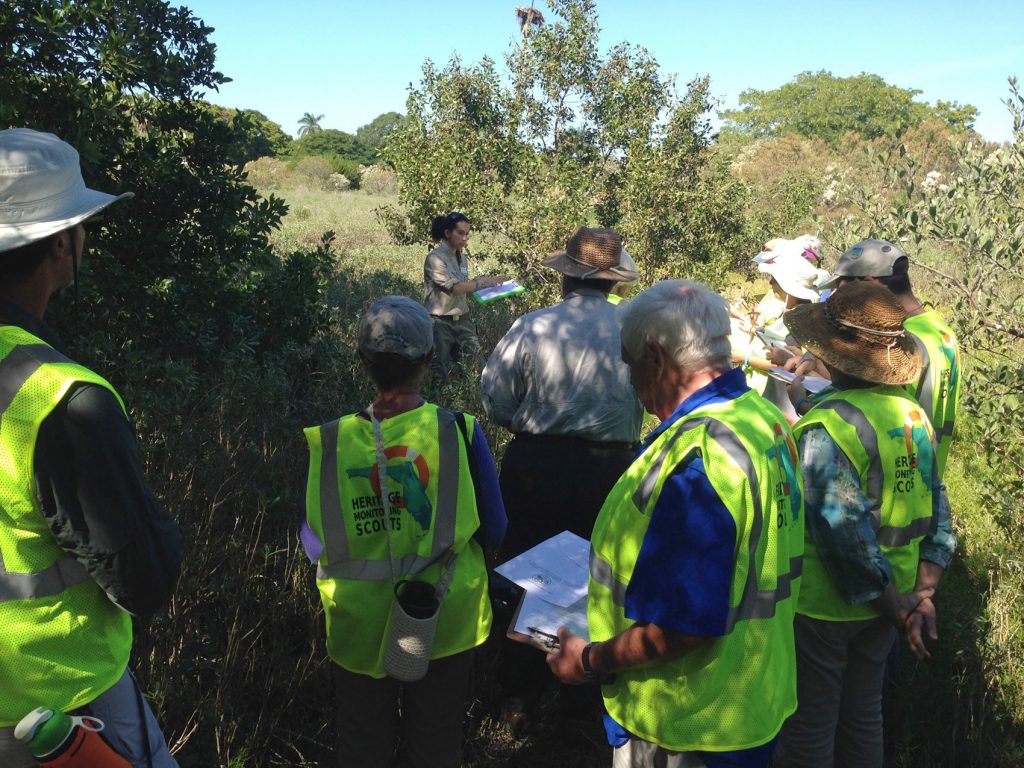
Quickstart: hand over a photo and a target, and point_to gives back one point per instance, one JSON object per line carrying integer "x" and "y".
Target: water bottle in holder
{"x": 58, "y": 740}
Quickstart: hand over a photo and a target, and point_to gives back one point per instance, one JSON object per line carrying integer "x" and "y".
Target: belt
{"x": 449, "y": 318}
{"x": 529, "y": 437}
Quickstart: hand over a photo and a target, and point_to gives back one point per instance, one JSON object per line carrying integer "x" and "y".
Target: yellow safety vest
{"x": 62, "y": 641}
{"x": 938, "y": 389}
{"x": 736, "y": 691}
{"x": 887, "y": 437}
{"x": 433, "y": 511}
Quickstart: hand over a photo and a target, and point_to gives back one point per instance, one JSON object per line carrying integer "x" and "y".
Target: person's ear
{"x": 62, "y": 245}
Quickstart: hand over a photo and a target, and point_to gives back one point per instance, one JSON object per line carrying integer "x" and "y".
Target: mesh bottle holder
{"x": 415, "y": 605}
{"x": 412, "y": 625}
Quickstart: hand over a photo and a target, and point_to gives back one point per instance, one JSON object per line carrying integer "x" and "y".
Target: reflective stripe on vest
{"x": 15, "y": 370}
{"x": 754, "y": 603}
{"x": 925, "y": 394}
{"x": 887, "y": 535}
{"x": 885, "y": 435}
{"x": 716, "y": 710}
{"x": 63, "y": 574}
{"x": 340, "y": 566}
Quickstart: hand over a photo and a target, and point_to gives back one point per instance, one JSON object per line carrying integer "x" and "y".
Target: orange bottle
{"x": 58, "y": 740}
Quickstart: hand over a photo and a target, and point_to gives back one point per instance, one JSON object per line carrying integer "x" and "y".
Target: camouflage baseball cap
{"x": 868, "y": 258}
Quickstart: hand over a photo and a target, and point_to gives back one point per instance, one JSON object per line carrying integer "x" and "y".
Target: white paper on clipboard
{"x": 813, "y": 384}
{"x": 771, "y": 341}
{"x": 556, "y": 570}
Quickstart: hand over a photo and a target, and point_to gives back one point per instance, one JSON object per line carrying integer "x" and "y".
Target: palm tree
{"x": 310, "y": 123}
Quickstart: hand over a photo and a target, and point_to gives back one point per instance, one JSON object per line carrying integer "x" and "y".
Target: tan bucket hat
{"x": 41, "y": 188}
{"x": 859, "y": 331}
{"x": 592, "y": 254}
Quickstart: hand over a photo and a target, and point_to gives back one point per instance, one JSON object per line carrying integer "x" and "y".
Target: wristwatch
{"x": 588, "y": 671}
{"x": 600, "y": 678}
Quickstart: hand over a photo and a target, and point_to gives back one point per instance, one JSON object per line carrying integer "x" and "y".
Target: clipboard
{"x": 500, "y": 291}
{"x": 813, "y": 384}
{"x": 536, "y": 620}
{"x": 770, "y": 341}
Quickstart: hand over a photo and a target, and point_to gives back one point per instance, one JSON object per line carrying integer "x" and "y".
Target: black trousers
{"x": 550, "y": 484}
{"x": 554, "y": 483}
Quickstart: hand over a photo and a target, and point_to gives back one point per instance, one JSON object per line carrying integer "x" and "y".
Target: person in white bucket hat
{"x": 84, "y": 543}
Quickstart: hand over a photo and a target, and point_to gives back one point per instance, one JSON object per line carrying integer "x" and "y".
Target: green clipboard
{"x": 487, "y": 295}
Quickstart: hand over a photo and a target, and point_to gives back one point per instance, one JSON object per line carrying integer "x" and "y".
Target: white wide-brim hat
{"x": 41, "y": 188}
{"x": 795, "y": 275}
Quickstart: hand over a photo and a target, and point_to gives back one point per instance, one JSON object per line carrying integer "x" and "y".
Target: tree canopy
{"x": 253, "y": 134}
{"x": 821, "y": 105}
{"x": 331, "y": 141}
{"x": 376, "y": 131}
{"x": 310, "y": 123}
{"x": 577, "y": 136}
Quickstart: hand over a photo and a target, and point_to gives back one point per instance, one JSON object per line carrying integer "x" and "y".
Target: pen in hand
{"x": 550, "y": 641}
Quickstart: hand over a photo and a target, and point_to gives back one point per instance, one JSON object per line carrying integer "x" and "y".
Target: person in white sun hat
{"x": 84, "y": 543}
{"x": 763, "y": 338}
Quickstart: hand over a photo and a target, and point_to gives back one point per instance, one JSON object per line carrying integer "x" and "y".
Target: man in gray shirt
{"x": 558, "y": 383}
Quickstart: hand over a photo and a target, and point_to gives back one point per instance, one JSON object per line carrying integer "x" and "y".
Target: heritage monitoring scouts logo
{"x": 917, "y": 435}
{"x": 412, "y": 474}
{"x": 783, "y": 453}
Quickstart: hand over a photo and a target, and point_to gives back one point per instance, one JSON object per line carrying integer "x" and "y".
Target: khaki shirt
{"x": 441, "y": 271}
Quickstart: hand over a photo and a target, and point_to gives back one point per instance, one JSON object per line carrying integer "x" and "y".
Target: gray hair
{"x": 688, "y": 320}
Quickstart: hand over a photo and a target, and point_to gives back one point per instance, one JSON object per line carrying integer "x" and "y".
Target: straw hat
{"x": 592, "y": 254}
{"x": 41, "y": 188}
{"x": 859, "y": 331}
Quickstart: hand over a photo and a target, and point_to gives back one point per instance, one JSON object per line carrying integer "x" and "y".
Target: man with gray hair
{"x": 696, "y": 554}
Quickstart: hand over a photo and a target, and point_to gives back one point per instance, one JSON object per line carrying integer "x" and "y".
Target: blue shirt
{"x": 685, "y": 567}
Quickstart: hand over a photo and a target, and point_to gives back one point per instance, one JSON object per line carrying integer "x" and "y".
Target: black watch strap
{"x": 601, "y": 678}
{"x": 588, "y": 671}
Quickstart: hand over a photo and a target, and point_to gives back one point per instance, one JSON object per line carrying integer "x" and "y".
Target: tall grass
{"x": 238, "y": 667}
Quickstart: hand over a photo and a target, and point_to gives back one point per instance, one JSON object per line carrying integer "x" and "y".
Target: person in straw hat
{"x": 878, "y": 525}
{"x": 84, "y": 543}
{"x": 557, "y": 382}
{"x": 938, "y": 387}
{"x": 441, "y": 512}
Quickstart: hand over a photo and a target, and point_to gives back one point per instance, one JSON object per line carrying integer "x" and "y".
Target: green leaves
{"x": 578, "y": 137}
{"x": 819, "y": 104}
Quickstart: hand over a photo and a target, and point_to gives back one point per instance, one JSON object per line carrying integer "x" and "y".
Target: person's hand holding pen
{"x": 546, "y": 639}
{"x": 566, "y": 662}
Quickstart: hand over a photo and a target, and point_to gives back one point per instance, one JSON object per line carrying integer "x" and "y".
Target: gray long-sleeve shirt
{"x": 559, "y": 371}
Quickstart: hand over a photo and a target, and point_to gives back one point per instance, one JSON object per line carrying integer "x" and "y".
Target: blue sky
{"x": 351, "y": 60}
